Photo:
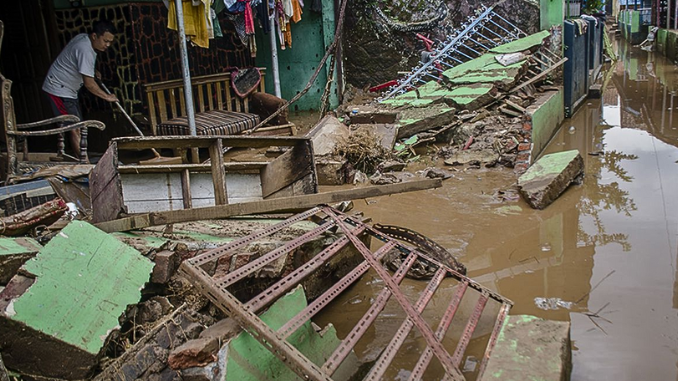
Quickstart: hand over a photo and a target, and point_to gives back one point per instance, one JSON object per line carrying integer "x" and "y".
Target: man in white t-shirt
{"x": 75, "y": 68}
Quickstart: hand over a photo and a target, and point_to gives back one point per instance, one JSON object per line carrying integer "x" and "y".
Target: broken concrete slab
{"x": 14, "y": 252}
{"x": 368, "y": 114}
{"x": 415, "y": 120}
{"x": 486, "y": 69}
{"x": 526, "y": 43}
{"x": 425, "y": 95}
{"x": 546, "y": 179}
{"x": 530, "y": 348}
{"x": 326, "y": 134}
{"x": 486, "y": 158}
{"x": 83, "y": 279}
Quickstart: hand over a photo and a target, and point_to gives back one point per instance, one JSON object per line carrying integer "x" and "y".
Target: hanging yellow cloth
{"x": 195, "y": 22}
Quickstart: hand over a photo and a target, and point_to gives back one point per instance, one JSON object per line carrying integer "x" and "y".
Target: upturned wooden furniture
{"x": 211, "y": 94}
{"x": 13, "y": 130}
{"x": 118, "y": 189}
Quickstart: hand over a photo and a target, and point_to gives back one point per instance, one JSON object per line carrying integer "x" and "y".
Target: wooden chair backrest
{"x": 210, "y": 92}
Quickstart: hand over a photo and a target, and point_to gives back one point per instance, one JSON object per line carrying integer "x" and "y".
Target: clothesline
{"x": 201, "y": 20}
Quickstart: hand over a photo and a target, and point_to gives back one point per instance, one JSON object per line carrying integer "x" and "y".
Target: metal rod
{"x": 259, "y": 330}
{"x": 469, "y": 329}
{"x": 445, "y": 322}
{"x": 339, "y": 354}
{"x": 235, "y": 245}
{"x": 260, "y": 262}
{"x": 503, "y": 311}
{"x": 188, "y": 90}
{"x": 314, "y": 307}
{"x": 387, "y": 356}
{"x": 283, "y": 285}
{"x": 443, "y": 356}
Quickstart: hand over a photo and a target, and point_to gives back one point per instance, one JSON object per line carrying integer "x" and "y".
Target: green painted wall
{"x": 65, "y": 4}
{"x": 310, "y": 37}
{"x": 85, "y": 279}
{"x": 546, "y": 118}
{"x": 551, "y": 12}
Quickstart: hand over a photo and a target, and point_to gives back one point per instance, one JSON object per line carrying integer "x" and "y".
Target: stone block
{"x": 166, "y": 263}
{"x": 548, "y": 178}
{"x": 530, "y": 348}
{"x": 331, "y": 171}
{"x": 14, "y": 252}
{"x": 194, "y": 353}
{"x": 83, "y": 280}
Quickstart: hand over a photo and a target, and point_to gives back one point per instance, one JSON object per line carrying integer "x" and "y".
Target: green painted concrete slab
{"x": 464, "y": 95}
{"x": 248, "y": 360}
{"x": 530, "y": 348}
{"x": 14, "y": 252}
{"x": 549, "y": 177}
{"x": 549, "y": 165}
{"x": 85, "y": 279}
{"x": 482, "y": 69}
{"x": 522, "y": 44}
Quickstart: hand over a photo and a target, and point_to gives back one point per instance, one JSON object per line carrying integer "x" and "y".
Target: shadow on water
{"x": 603, "y": 256}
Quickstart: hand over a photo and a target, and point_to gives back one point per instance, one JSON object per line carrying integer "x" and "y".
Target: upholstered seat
{"x": 213, "y": 122}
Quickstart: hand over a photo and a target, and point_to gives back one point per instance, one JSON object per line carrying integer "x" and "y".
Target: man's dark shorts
{"x": 64, "y": 106}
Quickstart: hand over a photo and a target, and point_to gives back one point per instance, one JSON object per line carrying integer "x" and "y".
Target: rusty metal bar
{"x": 448, "y": 315}
{"x": 468, "y": 331}
{"x": 222, "y": 250}
{"x": 387, "y": 356}
{"x": 307, "y": 313}
{"x": 493, "y": 339}
{"x": 366, "y": 320}
{"x": 443, "y": 356}
{"x": 473, "y": 284}
{"x": 283, "y": 350}
{"x": 285, "y": 284}
{"x": 260, "y": 262}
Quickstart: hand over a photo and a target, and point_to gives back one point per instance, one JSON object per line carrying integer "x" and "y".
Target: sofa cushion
{"x": 214, "y": 122}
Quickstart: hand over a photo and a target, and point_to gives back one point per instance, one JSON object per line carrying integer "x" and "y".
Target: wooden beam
{"x": 158, "y": 142}
{"x": 537, "y": 77}
{"x": 218, "y": 175}
{"x": 267, "y": 206}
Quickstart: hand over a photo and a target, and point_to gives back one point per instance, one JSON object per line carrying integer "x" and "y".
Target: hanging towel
{"x": 195, "y": 22}
{"x": 296, "y": 7}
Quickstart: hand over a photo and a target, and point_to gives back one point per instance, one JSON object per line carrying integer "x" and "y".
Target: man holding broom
{"x": 75, "y": 67}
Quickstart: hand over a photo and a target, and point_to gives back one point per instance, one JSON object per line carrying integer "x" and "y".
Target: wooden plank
{"x": 173, "y": 102}
{"x": 229, "y": 97}
{"x": 182, "y": 102}
{"x": 287, "y": 168}
{"x": 542, "y": 74}
{"x": 236, "y": 166}
{"x": 265, "y": 206}
{"x": 152, "y": 112}
{"x": 218, "y": 175}
{"x": 186, "y": 188}
{"x": 220, "y": 97}
{"x": 105, "y": 187}
{"x": 173, "y": 142}
{"x": 201, "y": 98}
{"x": 162, "y": 106}
{"x": 210, "y": 97}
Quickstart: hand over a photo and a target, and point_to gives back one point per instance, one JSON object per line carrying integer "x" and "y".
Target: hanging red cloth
{"x": 249, "y": 17}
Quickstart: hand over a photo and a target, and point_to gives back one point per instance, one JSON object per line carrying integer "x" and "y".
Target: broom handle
{"x": 123, "y": 110}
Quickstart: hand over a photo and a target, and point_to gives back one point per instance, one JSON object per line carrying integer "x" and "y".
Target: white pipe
{"x": 274, "y": 56}
{"x": 188, "y": 91}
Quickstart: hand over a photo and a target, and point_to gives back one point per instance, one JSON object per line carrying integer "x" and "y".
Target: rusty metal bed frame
{"x": 216, "y": 289}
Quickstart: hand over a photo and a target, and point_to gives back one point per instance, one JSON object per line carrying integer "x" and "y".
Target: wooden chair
{"x": 14, "y": 131}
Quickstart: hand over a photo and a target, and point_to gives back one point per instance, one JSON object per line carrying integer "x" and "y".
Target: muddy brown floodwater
{"x": 603, "y": 256}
